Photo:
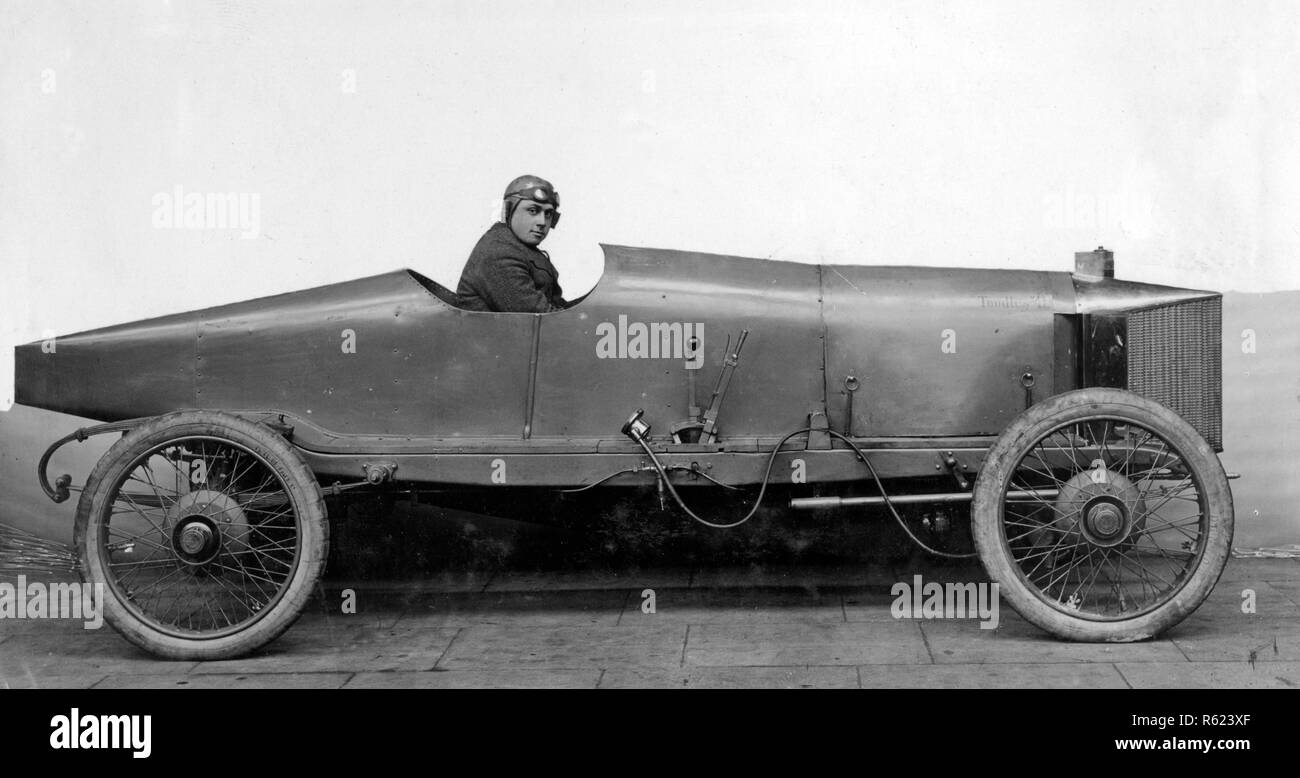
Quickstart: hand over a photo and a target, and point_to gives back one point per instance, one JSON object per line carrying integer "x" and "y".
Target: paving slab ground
{"x": 1057, "y": 675}
{"x": 723, "y": 627}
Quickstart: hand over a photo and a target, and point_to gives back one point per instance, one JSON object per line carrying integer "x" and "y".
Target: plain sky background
{"x": 378, "y": 135}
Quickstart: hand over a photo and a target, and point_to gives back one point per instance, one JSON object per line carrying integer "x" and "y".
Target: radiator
{"x": 1175, "y": 358}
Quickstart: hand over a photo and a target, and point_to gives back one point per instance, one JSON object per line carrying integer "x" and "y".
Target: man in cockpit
{"x": 506, "y": 271}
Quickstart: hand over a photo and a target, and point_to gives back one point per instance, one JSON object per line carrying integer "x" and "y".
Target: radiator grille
{"x": 1174, "y": 358}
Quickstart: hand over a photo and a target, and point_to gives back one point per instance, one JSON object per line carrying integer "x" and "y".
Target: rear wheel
{"x": 207, "y": 531}
{"x": 1103, "y": 516}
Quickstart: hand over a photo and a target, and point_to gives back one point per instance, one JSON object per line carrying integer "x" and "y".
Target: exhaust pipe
{"x": 816, "y": 503}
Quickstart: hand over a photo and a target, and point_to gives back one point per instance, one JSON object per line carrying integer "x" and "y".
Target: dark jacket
{"x": 505, "y": 274}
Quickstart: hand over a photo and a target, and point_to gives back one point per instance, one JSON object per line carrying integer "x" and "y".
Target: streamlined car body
{"x": 1077, "y": 415}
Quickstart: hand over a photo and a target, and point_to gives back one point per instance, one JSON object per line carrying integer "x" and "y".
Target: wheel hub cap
{"x": 203, "y": 522}
{"x": 195, "y": 537}
{"x": 1102, "y": 505}
{"x": 1105, "y": 521}
{"x": 196, "y": 540}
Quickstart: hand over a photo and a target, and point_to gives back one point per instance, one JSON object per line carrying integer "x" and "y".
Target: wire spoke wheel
{"x": 194, "y": 541}
{"x": 1125, "y": 528}
{"x": 207, "y": 531}
{"x": 1103, "y": 515}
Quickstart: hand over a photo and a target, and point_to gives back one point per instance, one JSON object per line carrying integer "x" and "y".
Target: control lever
{"x": 688, "y": 430}
{"x": 709, "y": 433}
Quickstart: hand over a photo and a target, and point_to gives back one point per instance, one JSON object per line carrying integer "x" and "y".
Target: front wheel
{"x": 207, "y": 532}
{"x": 1103, "y": 516}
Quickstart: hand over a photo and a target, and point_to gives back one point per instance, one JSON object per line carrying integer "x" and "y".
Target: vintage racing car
{"x": 1076, "y": 417}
